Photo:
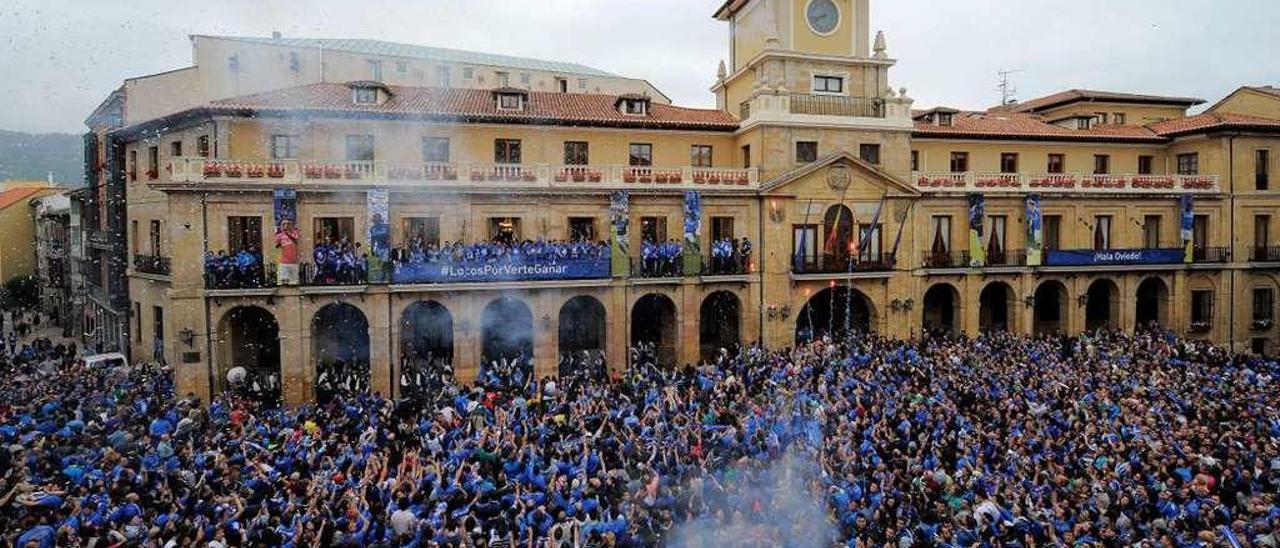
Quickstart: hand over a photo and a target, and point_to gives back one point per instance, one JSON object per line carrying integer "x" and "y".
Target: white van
{"x": 108, "y": 360}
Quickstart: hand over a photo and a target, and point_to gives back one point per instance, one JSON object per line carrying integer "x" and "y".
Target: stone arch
{"x": 249, "y": 338}
{"x": 506, "y": 331}
{"x": 340, "y": 350}
{"x": 1102, "y": 309}
{"x": 1051, "y": 312}
{"x": 719, "y": 324}
{"x": 653, "y": 322}
{"x": 582, "y": 330}
{"x": 838, "y": 311}
{"x": 995, "y": 307}
{"x": 426, "y": 347}
{"x": 940, "y": 308}
{"x": 1151, "y": 303}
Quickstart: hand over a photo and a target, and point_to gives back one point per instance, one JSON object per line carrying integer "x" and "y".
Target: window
{"x": 1118, "y": 118}
{"x": 243, "y": 234}
{"x": 202, "y": 146}
{"x": 874, "y": 241}
{"x": 1202, "y": 307}
{"x": 1151, "y": 231}
{"x": 366, "y": 96}
{"x": 133, "y": 236}
{"x": 154, "y": 234}
{"x": 402, "y": 67}
{"x": 1200, "y": 231}
{"x": 509, "y": 101}
{"x": 504, "y": 229}
{"x": 940, "y": 234}
{"x": 137, "y": 321}
{"x": 1102, "y": 232}
{"x": 870, "y": 153}
{"x": 959, "y": 162}
{"x": 284, "y": 147}
{"x": 1099, "y": 117}
{"x": 360, "y": 148}
{"x": 506, "y": 151}
{"x": 421, "y": 231}
{"x": 1008, "y": 162}
{"x": 576, "y": 153}
{"x": 996, "y": 238}
{"x": 375, "y": 69}
{"x": 153, "y": 162}
{"x": 1189, "y": 164}
{"x": 582, "y": 229}
{"x": 721, "y": 228}
{"x": 1261, "y": 236}
{"x": 1057, "y": 163}
{"x": 1084, "y": 123}
{"x": 804, "y": 242}
{"x": 944, "y": 118}
{"x": 157, "y": 327}
{"x": 504, "y": 79}
{"x": 443, "y": 77}
{"x": 746, "y": 156}
{"x": 828, "y": 84}
{"x": 635, "y": 107}
{"x": 915, "y": 160}
{"x": 334, "y": 229}
{"x": 133, "y": 165}
{"x": 524, "y": 78}
{"x": 1145, "y": 164}
{"x": 1264, "y": 304}
{"x": 806, "y": 152}
{"x": 468, "y": 73}
{"x": 435, "y": 149}
{"x": 562, "y": 85}
{"x": 175, "y": 149}
{"x": 1258, "y": 345}
{"x": 1261, "y": 169}
{"x": 653, "y": 229}
{"x": 700, "y": 155}
{"x": 641, "y": 154}
{"x": 1052, "y": 232}
{"x": 582, "y": 83}
{"x": 1101, "y": 164}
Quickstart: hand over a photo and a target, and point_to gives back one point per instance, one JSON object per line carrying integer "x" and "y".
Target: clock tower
{"x": 809, "y": 70}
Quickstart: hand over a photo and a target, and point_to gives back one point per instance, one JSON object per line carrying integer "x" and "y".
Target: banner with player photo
{"x": 285, "y": 207}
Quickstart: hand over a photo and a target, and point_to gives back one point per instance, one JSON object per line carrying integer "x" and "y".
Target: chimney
{"x": 275, "y": 35}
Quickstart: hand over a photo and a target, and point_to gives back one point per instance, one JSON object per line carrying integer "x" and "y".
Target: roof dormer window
{"x": 944, "y": 118}
{"x": 510, "y": 98}
{"x": 366, "y": 96}
{"x": 633, "y": 105}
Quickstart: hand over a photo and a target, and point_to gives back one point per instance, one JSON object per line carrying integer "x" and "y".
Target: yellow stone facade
{"x": 870, "y": 157}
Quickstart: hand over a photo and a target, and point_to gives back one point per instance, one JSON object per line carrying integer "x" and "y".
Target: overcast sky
{"x": 59, "y": 58}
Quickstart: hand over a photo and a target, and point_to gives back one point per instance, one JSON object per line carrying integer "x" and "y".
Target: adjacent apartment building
{"x": 1080, "y": 210}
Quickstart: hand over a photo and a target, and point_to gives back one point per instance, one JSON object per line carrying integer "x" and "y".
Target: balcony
{"x": 99, "y": 238}
{"x": 230, "y": 277}
{"x": 726, "y": 266}
{"x": 1210, "y": 255}
{"x": 1073, "y": 183}
{"x": 837, "y": 105}
{"x": 840, "y": 264}
{"x": 270, "y": 173}
{"x": 962, "y": 259}
{"x": 151, "y": 264}
{"x": 332, "y": 276}
{"x": 1265, "y": 254}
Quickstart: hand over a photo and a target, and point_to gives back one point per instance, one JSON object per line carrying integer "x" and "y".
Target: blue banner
{"x": 1035, "y": 231}
{"x": 1187, "y": 224}
{"x": 977, "y": 213}
{"x": 1089, "y": 257}
{"x": 500, "y": 271}
{"x": 692, "y": 227}
{"x": 379, "y": 230}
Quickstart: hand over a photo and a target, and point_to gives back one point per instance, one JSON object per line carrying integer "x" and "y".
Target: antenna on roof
{"x": 1006, "y": 86}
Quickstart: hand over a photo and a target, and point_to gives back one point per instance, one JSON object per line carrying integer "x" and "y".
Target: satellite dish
{"x": 236, "y": 375}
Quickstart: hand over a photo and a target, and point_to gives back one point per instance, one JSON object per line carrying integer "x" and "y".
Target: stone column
{"x": 380, "y": 364}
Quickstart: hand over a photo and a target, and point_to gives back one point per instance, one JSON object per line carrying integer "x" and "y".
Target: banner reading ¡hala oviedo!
{"x": 977, "y": 213}
{"x": 619, "y": 245}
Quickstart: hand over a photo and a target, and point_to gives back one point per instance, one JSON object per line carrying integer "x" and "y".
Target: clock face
{"x": 823, "y": 16}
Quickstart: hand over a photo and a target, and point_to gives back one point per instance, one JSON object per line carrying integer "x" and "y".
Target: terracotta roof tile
{"x": 1011, "y": 125}
{"x": 1210, "y": 121}
{"x": 1074, "y": 95}
{"x": 479, "y": 105}
{"x": 15, "y": 195}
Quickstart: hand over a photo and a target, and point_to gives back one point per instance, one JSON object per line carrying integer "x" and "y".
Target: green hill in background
{"x": 35, "y": 155}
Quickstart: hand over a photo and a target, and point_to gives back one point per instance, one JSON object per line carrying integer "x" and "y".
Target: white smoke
{"x": 774, "y": 506}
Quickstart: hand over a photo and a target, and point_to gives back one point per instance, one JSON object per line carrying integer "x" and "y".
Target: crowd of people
{"x": 340, "y": 262}
{"x": 239, "y": 270}
{"x": 1107, "y": 439}
{"x": 661, "y": 259}
{"x": 730, "y": 256}
{"x": 497, "y": 251}
{"x": 341, "y": 378}
{"x": 424, "y": 375}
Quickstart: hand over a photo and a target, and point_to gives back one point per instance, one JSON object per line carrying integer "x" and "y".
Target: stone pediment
{"x": 839, "y": 174}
